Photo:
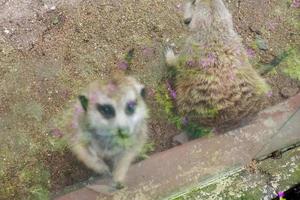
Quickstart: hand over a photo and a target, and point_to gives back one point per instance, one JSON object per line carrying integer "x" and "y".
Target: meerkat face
{"x": 115, "y": 107}
{"x": 198, "y": 13}
{"x": 201, "y": 14}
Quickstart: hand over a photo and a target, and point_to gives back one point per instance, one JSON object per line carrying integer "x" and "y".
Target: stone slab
{"x": 187, "y": 165}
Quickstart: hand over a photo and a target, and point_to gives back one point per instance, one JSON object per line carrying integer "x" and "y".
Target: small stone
{"x": 123, "y": 65}
{"x": 6, "y": 31}
{"x": 181, "y": 138}
{"x": 250, "y": 53}
{"x": 254, "y": 28}
{"x": 270, "y": 93}
{"x": 261, "y": 43}
{"x": 55, "y": 20}
{"x": 288, "y": 92}
{"x": 148, "y": 52}
{"x": 56, "y": 133}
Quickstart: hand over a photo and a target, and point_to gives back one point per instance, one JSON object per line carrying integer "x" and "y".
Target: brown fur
{"x": 216, "y": 85}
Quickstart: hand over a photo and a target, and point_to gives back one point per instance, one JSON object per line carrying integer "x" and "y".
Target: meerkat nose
{"x": 123, "y": 133}
{"x": 123, "y": 130}
{"x": 187, "y": 21}
{"x": 120, "y": 130}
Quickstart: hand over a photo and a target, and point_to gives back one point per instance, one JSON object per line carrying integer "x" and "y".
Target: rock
{"x": 255, "y": 28}
{"x": 181, "y": 138}
{"x": 261, "y": 43}
{"x": 56, "y": 133}
{"x": 289, "y": 91}
{"x": 123, "y": 65}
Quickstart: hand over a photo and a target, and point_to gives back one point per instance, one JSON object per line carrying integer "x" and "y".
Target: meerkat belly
{"x": 108, "y": 145}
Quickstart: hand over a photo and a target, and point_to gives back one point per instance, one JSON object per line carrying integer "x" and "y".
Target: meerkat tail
{"x": 170, "y": 57}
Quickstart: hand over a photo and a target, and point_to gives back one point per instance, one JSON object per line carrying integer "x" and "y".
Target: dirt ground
{"x": 50, "y": 49}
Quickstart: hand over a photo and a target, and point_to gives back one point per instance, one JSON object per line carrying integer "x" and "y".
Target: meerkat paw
{"x": 101, "y": 168}
{"x": 104, "y": 185}
{"x": 105, "y": 189}
{"x": 170, "y": 57}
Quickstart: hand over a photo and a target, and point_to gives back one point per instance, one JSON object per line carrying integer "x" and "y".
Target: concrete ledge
{"x": 187, "y": 165}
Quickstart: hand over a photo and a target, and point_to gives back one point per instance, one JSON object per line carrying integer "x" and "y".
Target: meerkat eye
{"x": 143, "y": 93}
{"x": 130, "y": 107}
{"x": 106, "y": 110}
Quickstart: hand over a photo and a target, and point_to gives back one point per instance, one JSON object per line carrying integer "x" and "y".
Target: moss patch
{"x": 167, "y": 104}
{"x": 292, "y": 64}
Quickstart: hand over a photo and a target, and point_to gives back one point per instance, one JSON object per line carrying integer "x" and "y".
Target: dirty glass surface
{"x": 51, "y": 50}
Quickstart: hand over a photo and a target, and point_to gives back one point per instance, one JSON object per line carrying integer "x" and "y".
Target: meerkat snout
{"x": 187, "y": 21}
{"x": 188, "y": 8}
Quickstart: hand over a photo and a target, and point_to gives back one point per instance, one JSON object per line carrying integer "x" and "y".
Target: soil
{"x": 51, "y": 49}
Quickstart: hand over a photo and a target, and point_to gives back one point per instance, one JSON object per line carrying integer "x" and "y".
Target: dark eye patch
{"x": 143, "y": 93}
{"x": 106, "y": 110}
{"x": 130, "y": 107}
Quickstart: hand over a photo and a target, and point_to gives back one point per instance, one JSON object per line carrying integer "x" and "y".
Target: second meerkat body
{"x": 215, "y": 83}
{"x": 109, "y": 125}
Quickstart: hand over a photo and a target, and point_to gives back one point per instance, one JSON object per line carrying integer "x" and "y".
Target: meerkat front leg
{"x": 121, "y": 166}
{"x": 92, "y": 161}
{"x": 123, "y": 161}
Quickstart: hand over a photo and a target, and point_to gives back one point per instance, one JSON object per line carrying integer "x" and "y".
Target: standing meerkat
{"x": 109, "y": 126}
{"x": 215, "y": 83}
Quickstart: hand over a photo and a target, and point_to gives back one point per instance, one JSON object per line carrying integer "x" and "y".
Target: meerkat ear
{"x": 140, "y": 88}
{"x": 83, "y": 101}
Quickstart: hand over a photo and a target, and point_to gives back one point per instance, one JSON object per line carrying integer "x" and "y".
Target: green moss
{"x": 39, "y": 193}
{"x": 273, "y": 72}
{"x": 147, "y": 148}
{"x": 167, "y": 104}
{"x": 57, "y": 144}
{"x": 123, "y": 140}
{"x": 209, "y": 112}
{"x": 129, "y": 56}
{"x": 196, "y": 131}
{"x": 267, "y": 68}
{"x": 36, "y": 175}
{"x": 294, "y": 178}
{"x": 293, "y": 21}
{"x": 162, "y": 97}
{"x": 292, "y": 64}
{"x": 251, "y": 195}
{"x": 28, "y": 181}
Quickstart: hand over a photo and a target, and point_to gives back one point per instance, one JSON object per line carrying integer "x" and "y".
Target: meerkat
{"x": 110, "y": 126}
{"x": 215, "y": 83}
